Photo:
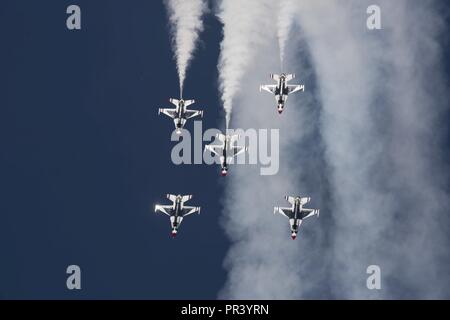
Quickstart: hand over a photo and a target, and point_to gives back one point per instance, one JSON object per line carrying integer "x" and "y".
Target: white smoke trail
{"x": 241, "y": 37}
{"x": 377, "y": 132}
{"x": 263, "y": 261}
{"x": 284, "y": 24}
{"x": 185, "y": 17}
{"x": 381, "y": 93}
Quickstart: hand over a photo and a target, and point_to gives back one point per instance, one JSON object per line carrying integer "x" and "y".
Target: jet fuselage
{"x": 176, "y": 218}
{"x": 281, "y": 93}
{"x": 224, "y": 155}
{"x": 296, "y": 221}
{"x": 181, "y": 111}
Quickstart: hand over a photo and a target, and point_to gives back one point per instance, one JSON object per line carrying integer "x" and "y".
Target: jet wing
{"x": 306, "y": 213}
{"x": 193, "y": 113}
{"x": 172, "y": 113}
{"x": 236, "y": 150}
{"x": 269, "y": 88}
{"x": 189, "y": 210}
{"x": 287, "y": 212}
{"x": 295, "y": 88}
{"x": 214, "y": 148}
{"x": 234, "y": 138}
{"x": 164, "y": 209}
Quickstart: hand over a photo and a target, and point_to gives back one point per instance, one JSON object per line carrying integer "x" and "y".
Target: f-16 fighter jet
{"x": 177, "y": 211}
{"x": 281, "y": 90}
{"x": 181, "y": 114}
{"x": 296, "y": 213}
{"x": 227, "y": 150}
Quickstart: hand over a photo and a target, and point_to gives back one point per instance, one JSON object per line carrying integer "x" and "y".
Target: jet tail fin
{"x": 275, "y": 77}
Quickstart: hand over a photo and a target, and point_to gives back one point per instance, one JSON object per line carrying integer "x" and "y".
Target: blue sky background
{"x": 84, "y": 155}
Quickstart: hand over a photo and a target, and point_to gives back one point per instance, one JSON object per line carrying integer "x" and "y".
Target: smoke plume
{"x": 185, "y": 18}
{"x": 284, "y": 24}
{"x": 365, "y": 142}
{"x": 241, "y": 37}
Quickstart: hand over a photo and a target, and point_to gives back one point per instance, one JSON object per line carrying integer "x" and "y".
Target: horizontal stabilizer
{"x": 188, "y": 102}
{"x": 275, "y": 77}
{"x": 171, "y": 197}
{"x": 289, "y": 77}
{"x": 186, "y": 198}
{"x": 174, "y": 101}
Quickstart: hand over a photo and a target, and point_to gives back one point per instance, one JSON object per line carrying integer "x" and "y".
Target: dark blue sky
{"x": 85, "y": 156}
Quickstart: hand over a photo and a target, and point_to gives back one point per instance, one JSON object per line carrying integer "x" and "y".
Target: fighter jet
{"x": 227, "y": 150}
{"x": 180, "y": 114}
{"x": 177, "y": 211}
{"x": 296, "y": 213}
{"x": 281, "y": 90}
